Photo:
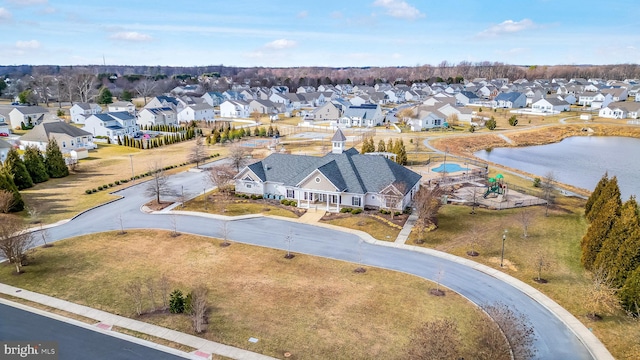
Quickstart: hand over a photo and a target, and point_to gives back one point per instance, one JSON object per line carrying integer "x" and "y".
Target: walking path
{"x": 406, "y": 229}
{"x": 107, "y": 320}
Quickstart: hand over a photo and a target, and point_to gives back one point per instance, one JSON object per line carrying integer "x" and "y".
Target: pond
{"x": 579, "y": 161}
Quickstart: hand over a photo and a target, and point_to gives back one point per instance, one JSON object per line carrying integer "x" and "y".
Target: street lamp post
{"x": 133, "y": 178}
{"x": 504, "y": 238}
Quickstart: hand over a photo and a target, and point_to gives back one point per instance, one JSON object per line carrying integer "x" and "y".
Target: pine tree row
{"x": 396, "y": 147}
{"x": 612, "y": 241}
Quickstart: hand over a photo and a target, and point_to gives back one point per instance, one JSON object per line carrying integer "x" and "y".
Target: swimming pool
{"x": 449, "y": 168}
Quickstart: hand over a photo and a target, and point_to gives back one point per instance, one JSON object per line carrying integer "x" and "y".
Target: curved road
{"x": 554, "y": 339}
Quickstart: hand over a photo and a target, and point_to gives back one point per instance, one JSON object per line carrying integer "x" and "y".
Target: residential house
{"x": 68, "y": 137}
{"x": 328, "y": 87}
{"x": 213, "y": 98}
{"x": 327, "y": 112}
{"x": 637, "y": 99}
{"x": 462, "y": 113}
{"x": 570, "y": 98}
{"x": 119, "y": 106}
{"x": 33, "y": 115}
{"x": 341, "y": 179}
{"x": 617, "y": 94}
{"x": 305, "y": 89}
{"x": 550, "y": 105}
{"x": 187, "y": 89}
{"x": 164, "y": 101}
{"x": 4, "y": 150}
{"x": 113, "y": 125}
{"x": 280, "y": 98}
{"x": 234, "y": 109}
{"x": 157, "y": 116}
{"x": 594, "y": 100}
{"x": 360, "y": 100}
{"x": 466, "y": 97}
{"x": 280, "y": 89}
{"x": 232, "y": 95}
{"x": 368, "y": 115}
{"x": 511, "y": 100}
{"x": 81, "y": 111}
{"x": 534, "y": 94}
{"x": 621, "y": 110}
{"x": 265, "y": 107}
{"x": 427, "y": 117}
{"x": 197, "y": 112}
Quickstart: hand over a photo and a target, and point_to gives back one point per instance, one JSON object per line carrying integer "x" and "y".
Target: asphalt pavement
{"x": 554, "y": 338}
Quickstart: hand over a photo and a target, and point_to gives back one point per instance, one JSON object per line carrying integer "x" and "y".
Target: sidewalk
{"x": 406, "y": 229}
{"x": 107, "y": 320}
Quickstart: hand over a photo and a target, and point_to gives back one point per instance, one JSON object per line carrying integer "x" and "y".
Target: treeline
{"x": 163, "y": 140}
{"x": 227, "y": 132}
{"x": 397, "y": 147}
{"x": 611, "y": 245}
{"x": 22, "y": 173}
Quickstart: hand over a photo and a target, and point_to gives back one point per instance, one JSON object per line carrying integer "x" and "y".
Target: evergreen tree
{"x": 596, "y": 194}
{"x": 34, "y": 162}
{"x": 276, "y": 132}
{"x": 6, "y": 183}
{"x": 610, "y": 191}
{"x": 16, "y": 168}
{"x": 630, "y": 293}
{"x": 105, "y": 96}
{"x": 402, "y": 153}
{"x": 390, "y": 146}
{"x": 119, "y": 140}
{"x": 381, "y": 147}
{"x": 126, "y": 95}
{"x": 598, "y": 232}
{"x": 614, "y": 258}
{"x": 263, "y": 132}
{"x": 54, "y": 162}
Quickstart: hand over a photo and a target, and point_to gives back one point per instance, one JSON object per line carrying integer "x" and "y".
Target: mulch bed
{"x": 157, "y": 206}
{"x": 398, "y": 219}
{"x": 436, "y": 292}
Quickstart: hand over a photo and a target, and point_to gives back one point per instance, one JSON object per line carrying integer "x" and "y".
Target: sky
{"x": 278, "y": 33}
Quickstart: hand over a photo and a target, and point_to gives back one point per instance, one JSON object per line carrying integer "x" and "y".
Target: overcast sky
{"x": 318, "y": 33}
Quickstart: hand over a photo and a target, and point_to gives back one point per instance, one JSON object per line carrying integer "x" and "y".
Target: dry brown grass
{"x": 312, "y": 307}
{"x": 558, "y": 236}
{"x": 372, "y": 226}
{"x": 233, "y": 206}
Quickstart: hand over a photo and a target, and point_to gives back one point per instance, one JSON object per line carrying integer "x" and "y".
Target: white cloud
{"x": 28, "y": 2}
{"x": 508, "y": 27}
{"x": 130, "y": 36}
{"x": 30, "y": 44}
{"x": 280, "y": 44}
{"x": 5, "y": 15}
{"x": 302, "y": 14}
{"x": 399, "y": 9}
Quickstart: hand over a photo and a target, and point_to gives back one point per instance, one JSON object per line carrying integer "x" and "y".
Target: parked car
{"x": 4, "y": 134}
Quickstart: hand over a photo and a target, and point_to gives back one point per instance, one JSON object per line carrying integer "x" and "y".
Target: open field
{"x": 556, "y": 237}
{"x": 312, "y": 307}
{"x": 63, "y": 198}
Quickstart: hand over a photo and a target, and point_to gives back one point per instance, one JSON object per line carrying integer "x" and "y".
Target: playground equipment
{"x": 496, "y": 186}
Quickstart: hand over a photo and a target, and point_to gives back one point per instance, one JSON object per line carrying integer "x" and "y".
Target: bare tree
{"x": 120, "y": 222}
{"x": 427, "y": 202}
{"x": 601, "y": 296}
{"x": 145, "y": 88}
{"x": 15, "y": 240}
{"x": 150, "y": 286}
{"x": 289, "y": 239}
{"x": 164, "y": 287}
{"x": 199, "y": 306}
{"x": 133, "y": 290}
{"x": 224, "y": 232}
{"x": 405, "y": 115}
{"x": 159, "y": 184}
{"x": 475, "y": 240}
{"x": 515, "y": 328}
{"x": 525, "y": 218}
{"x": 44, "y": 235}
{"x": 6, "y": 201}
{"x": 198, "y": 152}
{"x": 174, "y": 225}
{"x": 437, "y": 340}
{"x": 237, "y": 156}
{"x": 42, "y": 85}
{"x": 542, "y": 262}
{"x": 221, "y": 176}
{"x": 547, "y": 184}
{"x": 83, "y": 86}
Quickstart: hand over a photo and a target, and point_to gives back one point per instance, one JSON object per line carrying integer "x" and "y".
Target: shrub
{"x": 117, "y": 182}
{"x": 88, "y": 191}
{"x": 397, "y": 213}
{"x": 385, "y": 212}
{"x": 110, "y": 184}
{"x": 100, "y": 188}
{"x": 258, "y": 197}
{"x": 356, "y": 211}
{"x": 176, "y": 302}
{"x": 293, "y": 203}
{"x": 285, "y": 202}
{"x": 537, "y": 182}
{"x": 253, "y": 197}
{"x": 346, "y": 210}
{"x": 94, "y": 190}
{"x": 124, "y": 181}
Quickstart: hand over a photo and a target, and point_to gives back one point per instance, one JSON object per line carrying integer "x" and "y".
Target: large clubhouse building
{"x": 342, "y": 178}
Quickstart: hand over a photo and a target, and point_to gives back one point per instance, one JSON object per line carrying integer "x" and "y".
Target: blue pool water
{"x": 449, "y": 168}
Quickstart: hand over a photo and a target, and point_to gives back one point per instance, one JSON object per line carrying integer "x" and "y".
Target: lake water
{"x": 579, "y": 161}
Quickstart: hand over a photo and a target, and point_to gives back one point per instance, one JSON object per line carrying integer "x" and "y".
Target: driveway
{"x": 554, "y": 339}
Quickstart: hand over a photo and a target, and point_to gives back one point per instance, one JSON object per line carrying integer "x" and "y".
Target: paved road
{"x": 554, "y": 340}
{"x": 74, "y": 342}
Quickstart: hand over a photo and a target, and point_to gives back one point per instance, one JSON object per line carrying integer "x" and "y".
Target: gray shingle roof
{"x": 349, "y": 172}
{"x": 43, "y": 131}
{"x": 339, "y": 136}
